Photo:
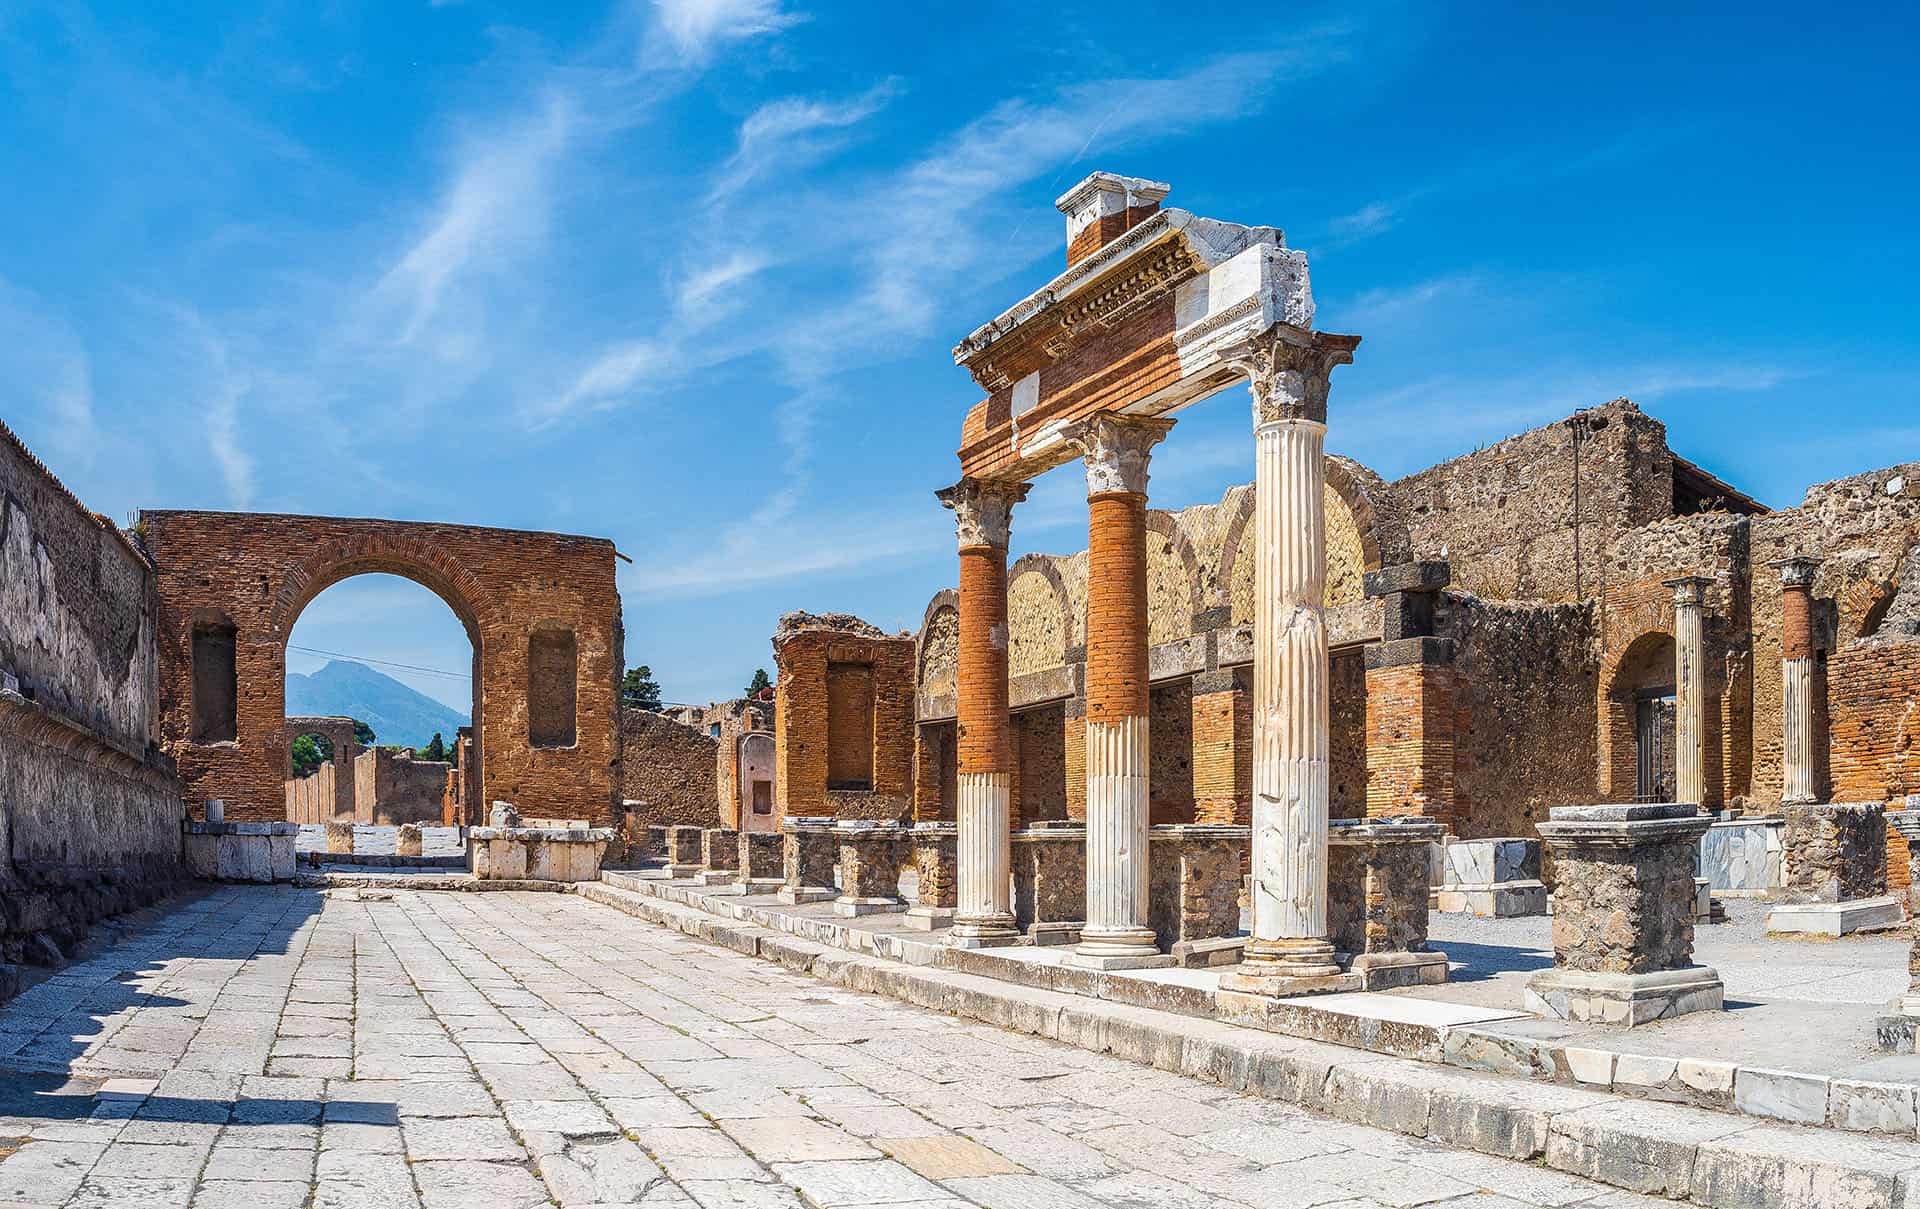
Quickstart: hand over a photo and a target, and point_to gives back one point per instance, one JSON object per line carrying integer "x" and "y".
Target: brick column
{"x": 1289, "y": 951}
{"x": 982, "y": 511}
{"x": 1796, "y": 679}
{"x": 1222, "y": 746}
{"x": 1116, "y": 450}
{"x": 1689, "y": 690}
{"x": 1410, "y": 697}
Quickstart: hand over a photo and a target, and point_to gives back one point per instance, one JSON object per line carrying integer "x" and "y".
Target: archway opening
{"x": 1640, "y": 721}
{"x": 386, "y": 672}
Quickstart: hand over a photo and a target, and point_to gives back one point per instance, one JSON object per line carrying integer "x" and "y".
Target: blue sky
{"x": 687, "y": 274}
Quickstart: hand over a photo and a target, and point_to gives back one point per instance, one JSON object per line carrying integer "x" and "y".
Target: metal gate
{"x": 1653, "y": 779}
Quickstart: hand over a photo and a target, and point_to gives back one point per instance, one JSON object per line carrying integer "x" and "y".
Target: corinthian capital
{"x": 1116, "y": 449}
{"x": 1289, "y": 370}
{"x": 983, "y": 509}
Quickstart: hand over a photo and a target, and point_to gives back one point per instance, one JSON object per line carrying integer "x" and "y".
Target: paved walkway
{"x": 280, "y": 1047}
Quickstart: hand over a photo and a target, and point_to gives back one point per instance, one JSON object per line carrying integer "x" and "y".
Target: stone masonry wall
{"x": 390, "y": 787}
{"x": 1524, "y": 692}
{"x": 803, "y": 647}
{"x": 257, "y": 572}
{"x": 668, "y": 766}
{"x": 89, "y": 807}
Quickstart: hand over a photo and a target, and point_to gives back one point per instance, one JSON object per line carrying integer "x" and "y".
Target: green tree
{"x": 362, "y": 733}
{"x": 759, "y": 684}
{"x": 638, "y": 689}
{"x": 309, "y": 752}
{"x": 436, "y": 749}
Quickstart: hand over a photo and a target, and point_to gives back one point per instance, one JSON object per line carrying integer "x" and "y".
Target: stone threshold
{"x": 1460, "y": 1036}
{"x": 1657, "y": 1149}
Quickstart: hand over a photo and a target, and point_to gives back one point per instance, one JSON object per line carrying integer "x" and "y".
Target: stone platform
{"x": 1766, "y": 1058}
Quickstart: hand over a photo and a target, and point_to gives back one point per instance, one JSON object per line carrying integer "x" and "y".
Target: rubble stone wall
{"x": 668, "y": 767}
{"x": 90, "y": 808}
{"x": 390, "y": 787}
{"x": 257, "y": 572}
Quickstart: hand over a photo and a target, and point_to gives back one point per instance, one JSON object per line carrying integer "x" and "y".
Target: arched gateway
{"x": 541, "y": 610}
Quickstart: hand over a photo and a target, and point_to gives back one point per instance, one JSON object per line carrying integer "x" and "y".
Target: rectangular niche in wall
{"x": 849, "y": 726}
{"x": 216, "y": 686}
{"x": 552, "y": 674}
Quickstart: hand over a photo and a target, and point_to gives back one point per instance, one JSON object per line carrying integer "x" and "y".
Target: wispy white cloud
{"x": 44, "y": 367}
{"x": 786, "y": 133}
{"x": 696, "y": 29}
{"x": 494, "y": 210}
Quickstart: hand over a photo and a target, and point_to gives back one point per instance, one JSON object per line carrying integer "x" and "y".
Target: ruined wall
{"x": 89, "y": 809}
{"x": 667, "y": 767}
{"x": 390, "y": 787}
{"x": 315, "y": 798}
{"x": 1170, "y": 753}
{"x": 1504, "y": 516}
{"x": 1525, "y": 684}
{"x": 1347, "y": 734}
{"x": 514, "y": 591}
{"x": 805, "y": 647}
{"x": 1039, "y": 773}
{"x": 1862, "y": 528}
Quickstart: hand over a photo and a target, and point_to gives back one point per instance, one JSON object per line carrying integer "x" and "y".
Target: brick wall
{"x": 1170, "y": 753}
{"x": 804, "y": 648}
{"x": 1039, "y": 765}
{"x": 390, "y": 787}
{"x": 669, "y": 766}
{"x": 1409, "y": 732}
{"x": 259, "y": 571}
{"x": 1223, "y": 754}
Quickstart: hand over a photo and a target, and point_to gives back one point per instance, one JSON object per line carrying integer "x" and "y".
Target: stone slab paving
{"x": 1797, "y": 1004}
{"x": 269, "y": 1046}
{"x": 377, "y": 840}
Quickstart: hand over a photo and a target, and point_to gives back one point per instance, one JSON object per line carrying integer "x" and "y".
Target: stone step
{"x": 1713, "y": 1158}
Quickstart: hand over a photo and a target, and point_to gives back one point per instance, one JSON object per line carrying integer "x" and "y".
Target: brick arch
{"x": 1626, "y": 669}
{"x": 1047, "y": 567}
{"x": 947, "y": 601}
{"x": 263, "y": 570}
{"x": 1384, "y": 540}
{"x": 1163, "y": 524}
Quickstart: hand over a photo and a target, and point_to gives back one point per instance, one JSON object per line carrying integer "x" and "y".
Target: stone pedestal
{"x": 1377, "y": 899}
{"x": 762, "y": 861}
{"x": 683, "y": 852}
{"x": 719, "y": 856}
{"x": 1623, "y": 909}
{"x": 1193, "y": 897}
{"x": 339, "y": 837}
{"x": 544, "y": 854}
{"x": 1897, "y": 1029}
{"x": 1835, "y": 871}
{"x": 936, "y": 863}
{"x": 1494, "y": 878}
{"x": 808, "y": 853}
{"x": 1050, "y": 883}
{"x": 240, "y": 852}
{"x": 409, "y": 840}
{"x": 871, "y": 857}
{"x": 656, "y": 842}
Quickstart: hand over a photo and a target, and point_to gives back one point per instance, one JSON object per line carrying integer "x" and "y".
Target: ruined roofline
{"x": 147, "y": 513}
{"x": 61, "y": 489}
{"x": 1739, "y": 501}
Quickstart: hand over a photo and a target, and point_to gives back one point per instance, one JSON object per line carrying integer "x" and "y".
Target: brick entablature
{"x": 804, "y": 649}
{"x": 258, "y": 571}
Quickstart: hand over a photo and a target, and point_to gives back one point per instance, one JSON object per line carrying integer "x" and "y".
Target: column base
{"x": 1897, "y": 1031}
{"x": 1382, "y": 971}
{"x": 1306, "y": 957}
{"x": 795, "y": 895}
{"x": 716, "y": 877}
{"x": 1120, "y": 961}
{"x": 1285, "y": 986}
{"x": 683, "y": 873}
{"x": 928, "y": 919}
{"x": 983, "y": 932}
{"x": 1835, "y": 919}
{"x": 1627, "y": 1000}
{"x": 852, "y": 907}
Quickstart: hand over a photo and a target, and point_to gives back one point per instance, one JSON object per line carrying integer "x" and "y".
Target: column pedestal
{"x": 871, "y": 855}
{"x": 1377, "y": 872}
{"x": 1897, "y": 1030}
{"x": 937, "y": 869}
{"x": 762, "y": 860}
{"x": 807, "y": 859}
{"x": 683, "y": 852}
{"x": 1623, "y": 916}
{"x": 719, "y": 857}
{"x": 1050, "y": 883}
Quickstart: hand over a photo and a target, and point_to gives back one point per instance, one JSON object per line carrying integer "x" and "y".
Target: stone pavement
{"x": 266, "y": 1047}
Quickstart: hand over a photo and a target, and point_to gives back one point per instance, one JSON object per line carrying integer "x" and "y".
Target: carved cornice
{"x": 1289, "y": 371}
{"x": 1116, "y": 449}
{"x": 983, "y": 510}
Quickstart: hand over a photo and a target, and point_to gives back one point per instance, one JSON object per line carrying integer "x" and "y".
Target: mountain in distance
{"x": 399, "y": 715}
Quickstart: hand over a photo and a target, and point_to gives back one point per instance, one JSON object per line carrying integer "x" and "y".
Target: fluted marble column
{"x": 1289, "y": 951}
{"x": 1796, "y": 679}
{"x": 983, "y": 914}
{"x": 1689, "y": 690}
{"x": 1116, "y": 450}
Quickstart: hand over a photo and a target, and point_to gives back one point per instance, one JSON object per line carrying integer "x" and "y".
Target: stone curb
{"x": 1712, "y": 1158}
{"x": 422, "y": 881}
{"x": 1852, "y": 1105}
